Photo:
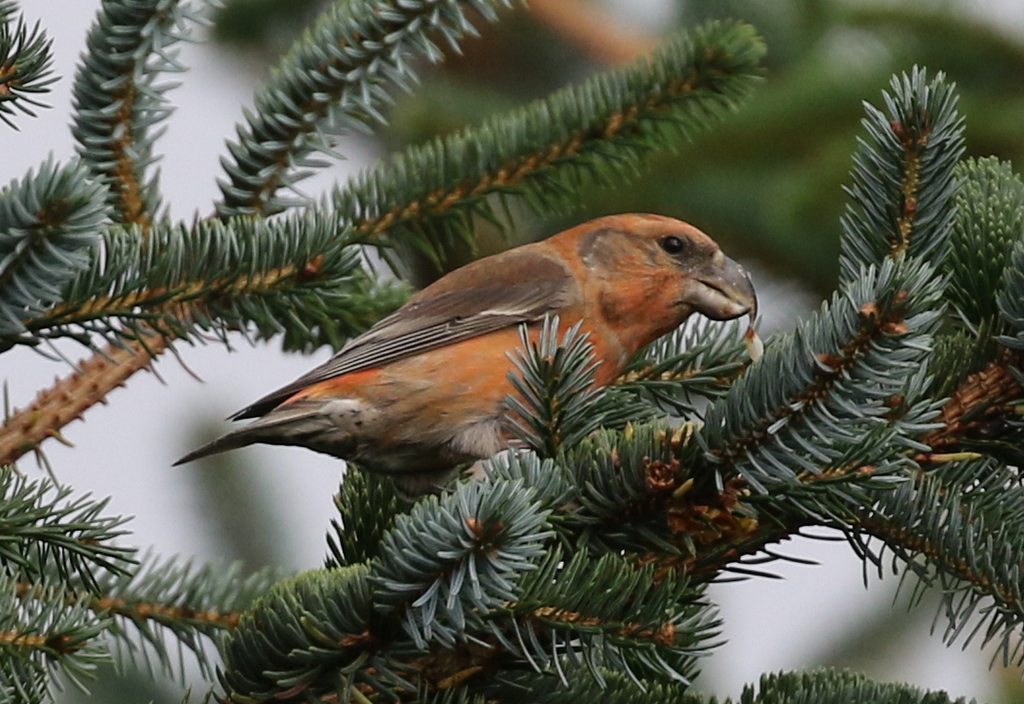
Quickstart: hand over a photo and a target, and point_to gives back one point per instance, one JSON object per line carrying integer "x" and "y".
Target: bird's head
{"x": 659, "y": 267}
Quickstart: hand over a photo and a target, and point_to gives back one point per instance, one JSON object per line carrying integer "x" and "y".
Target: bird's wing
{"x": 456, "y": 308}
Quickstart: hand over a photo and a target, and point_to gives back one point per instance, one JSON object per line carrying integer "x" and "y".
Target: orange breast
{"x": 434, "y": 394}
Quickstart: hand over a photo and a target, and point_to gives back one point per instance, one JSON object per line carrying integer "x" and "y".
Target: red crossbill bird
{"x": 424, "y": 389}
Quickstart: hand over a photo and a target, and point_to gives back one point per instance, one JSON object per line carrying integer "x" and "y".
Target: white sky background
{"x": 125, "y": 449}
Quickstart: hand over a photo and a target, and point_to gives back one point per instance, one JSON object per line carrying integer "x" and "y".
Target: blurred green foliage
{"x": 768, "y": 183}
{"x": 260, "y": 24}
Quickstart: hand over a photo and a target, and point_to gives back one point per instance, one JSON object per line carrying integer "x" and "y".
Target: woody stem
{"x": 24, "y": 430}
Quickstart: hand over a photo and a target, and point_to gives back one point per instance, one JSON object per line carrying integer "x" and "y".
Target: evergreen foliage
{"x": 574, "y": 566}
{"x": 904, "y": 177}
{"x": 26, "y": 63}
{"x": 336, "y": 78}
{"x": 690, "y": 365}
{"x": 69, "y": 593}
{"x": 815, "y": 687}
{"x": 555, "y": 376}
{"x": 1010, "y": 301}
{"x": 991, "y": 222}
{"x": 49, "y": 221}
{"x": 547, "y": 152}
{"x": 119, "y": 98}
{"x": 46, "y": 533}
{"x": 250, "y": 274}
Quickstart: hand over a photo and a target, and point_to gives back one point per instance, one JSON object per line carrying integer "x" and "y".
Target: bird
{"x": 423, "y": 391}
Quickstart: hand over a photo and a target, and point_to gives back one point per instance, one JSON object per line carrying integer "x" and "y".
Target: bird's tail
{"x": 285, "y": 425}
{"x": 231, "y": 441}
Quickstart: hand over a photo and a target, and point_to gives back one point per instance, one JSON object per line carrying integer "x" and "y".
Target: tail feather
{"x": 232, "y": 441}
{"x": 282, "y": 426}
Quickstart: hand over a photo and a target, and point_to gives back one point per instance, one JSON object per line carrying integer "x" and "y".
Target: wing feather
{"x": 436, "y": 319}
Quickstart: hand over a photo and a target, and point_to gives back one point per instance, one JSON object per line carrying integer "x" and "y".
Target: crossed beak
{"x": 724, "y": 291}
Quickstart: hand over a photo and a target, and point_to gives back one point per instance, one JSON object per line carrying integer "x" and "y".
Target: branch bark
{"x": 24, "y": 430}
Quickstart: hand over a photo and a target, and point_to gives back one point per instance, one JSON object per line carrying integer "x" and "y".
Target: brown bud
{"x": 869, "y": 310}
{"x": 830, "y": 360}
{"x": 311, "y": 269}
{"x": 896, "y": 328}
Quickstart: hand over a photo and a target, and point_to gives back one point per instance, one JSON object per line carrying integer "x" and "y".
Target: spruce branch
{"x": 989, "y": 222}
{"x": 951, "y": 529}
{"x": 550, "y": 480}
{"x": 977, "y": 407}
{"x": 192, "y": 604}
{"x": 642, "y": 492}
{"x": 857, "y": 386}
{"x": 44, "y": 530}
{"x": 483, "y": 536}
{"x": 471, "y": 556}
{"x": 904, "y": 180}
{"x": 807, "y": 687}
{"x": 39, "y": 638}
{"x": 335, "y": 78}
{"x": 596, "y": 132}
{"x": 554, "y": 388}
{"x": 574, "y": 610}
{"x": 555, "y": 404}
{"x": 23, "y": 431}
{"x": 317, "y": 636}
{"x": 119, "y": 99}
{"x": 118, "y": 106}
{"x": 297, "y": 276}
{"x": 48, "y": 231}
{"x": 132, "y": 613}
{"x": 695, "y": 362}
{"x": 306, "y": 636}
{"x": 613, "y": 686}
{"x": 367, "y": 504}
{"x": 982, "y": 411}
{"x": 836, "y": 687}
{"x": 960, "y": 352}
{"x": 621, "y": 480}
{"x": 838, "y": 379}
{"x": 26, "y": 65}
{"x": 635, "y": 492}
{"x": 1011, "y": 298}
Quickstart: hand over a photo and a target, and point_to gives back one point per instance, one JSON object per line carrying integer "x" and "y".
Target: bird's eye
{"x": 672, "y": 244}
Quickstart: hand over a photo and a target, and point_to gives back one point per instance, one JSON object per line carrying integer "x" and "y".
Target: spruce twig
{"x": 65, "y": 401}
{"x": 138, "y": 610}
{"x": 26, "y": 64}
{"x": 336, "y": 77}
{"x": 545, "y": 152}
{"x": 119, "y": 102}
{"x": 981, "y": 399}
